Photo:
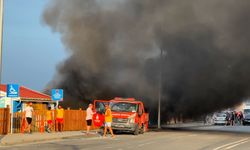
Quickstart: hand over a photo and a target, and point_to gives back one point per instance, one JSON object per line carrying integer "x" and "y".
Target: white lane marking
{"x": 222, "y": 146}
{"x": 183, "y": 136}
{"x": 232, "y": 146}
{"x": 140, "y": 145}
{"x": 108, "y": 147}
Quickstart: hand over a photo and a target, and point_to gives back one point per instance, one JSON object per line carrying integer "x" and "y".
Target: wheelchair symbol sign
{"x": 12, "y": 90}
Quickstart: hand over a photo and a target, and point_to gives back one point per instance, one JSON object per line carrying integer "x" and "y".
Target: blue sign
{"x": 17, "y": 106}
{"x": 12, "y": 90}
{"x": 57, "y": 94}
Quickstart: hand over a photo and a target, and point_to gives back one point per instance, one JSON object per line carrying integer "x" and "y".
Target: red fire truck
{"x": 128, "y": 114}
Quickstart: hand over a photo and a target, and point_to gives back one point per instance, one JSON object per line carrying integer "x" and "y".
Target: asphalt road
{"x": 154, "y": 140}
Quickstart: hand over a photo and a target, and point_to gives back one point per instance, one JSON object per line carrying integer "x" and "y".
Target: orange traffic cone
{"x": 23, "y": 125}
{"x": 42, "y": 126}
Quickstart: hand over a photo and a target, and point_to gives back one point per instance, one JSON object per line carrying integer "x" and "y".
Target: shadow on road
{"x": 206, "y": 129}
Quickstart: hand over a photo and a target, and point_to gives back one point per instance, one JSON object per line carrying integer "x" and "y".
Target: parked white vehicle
{"x": 220, "y": 118}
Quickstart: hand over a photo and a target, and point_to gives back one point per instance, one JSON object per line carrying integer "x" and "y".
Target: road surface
{"x": 154, "y": 140}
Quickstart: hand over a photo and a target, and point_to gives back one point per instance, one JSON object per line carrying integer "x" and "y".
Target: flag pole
{"x": 1, "y": 37}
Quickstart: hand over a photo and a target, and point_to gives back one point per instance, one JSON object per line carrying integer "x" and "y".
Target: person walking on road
{"x": 49, "y": 120}
{"x": 108, "y": 121}
{"x": 28, "y": 116}
{"x": 59, "y": 118}
{"x": 89, "y": 116}
{"x": 232, "y": 118}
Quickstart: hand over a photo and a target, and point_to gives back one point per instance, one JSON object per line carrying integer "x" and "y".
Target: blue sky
{"x": 31, "y": 51}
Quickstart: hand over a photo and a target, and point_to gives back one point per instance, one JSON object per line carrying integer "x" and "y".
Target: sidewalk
{"x": 12, "y": 139}
{"x": 186, "y": 125}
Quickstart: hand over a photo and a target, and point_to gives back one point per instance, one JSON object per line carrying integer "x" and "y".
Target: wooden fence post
{"x": 74, "y": 121}
{"x": 8, "y": 119}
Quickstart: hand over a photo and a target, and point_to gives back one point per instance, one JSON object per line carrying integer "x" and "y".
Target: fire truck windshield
{"x": 124, "y": 107}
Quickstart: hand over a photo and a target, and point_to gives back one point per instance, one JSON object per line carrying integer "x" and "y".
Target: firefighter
{"x": 59, "y": 118}
{"x": 49, "y": 119}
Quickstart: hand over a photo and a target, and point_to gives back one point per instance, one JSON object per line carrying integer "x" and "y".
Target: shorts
{"x": 49, "y": 121}
{"x": 89, "y": 122}
{"x": 107, "y": 124}
{"x": 29, "y": 120}
{"x": 59, "y": 120}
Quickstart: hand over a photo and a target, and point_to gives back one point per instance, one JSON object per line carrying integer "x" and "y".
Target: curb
{"x": 26, "y": 141}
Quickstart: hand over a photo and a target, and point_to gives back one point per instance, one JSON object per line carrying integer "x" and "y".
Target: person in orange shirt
{"x": 108, "y": 121}
{"x": 59, "y": 118}
{"x": 49, "y": 119}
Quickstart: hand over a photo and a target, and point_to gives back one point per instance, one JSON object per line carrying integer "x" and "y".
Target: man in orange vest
{"x": 59, "y": 118}
{"x": 49, "y": 119}
{"x": 108, "y": 121}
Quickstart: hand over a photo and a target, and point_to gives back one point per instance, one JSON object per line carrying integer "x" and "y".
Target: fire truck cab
{"x": 128, "y": 114}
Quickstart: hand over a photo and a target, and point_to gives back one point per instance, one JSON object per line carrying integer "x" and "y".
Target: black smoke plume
{"x": 114, "y": 49}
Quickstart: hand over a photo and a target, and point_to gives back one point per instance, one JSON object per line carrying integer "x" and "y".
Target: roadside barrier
{"x": 42, "y": 126}
{"x": 23, "y": 125}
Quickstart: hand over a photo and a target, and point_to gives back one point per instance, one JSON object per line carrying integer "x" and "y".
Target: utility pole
{"x": 160, "y": 90}
{"x": 1, "y": 37}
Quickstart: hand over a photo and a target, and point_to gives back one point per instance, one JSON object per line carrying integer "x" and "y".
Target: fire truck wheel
{"x": 142, "y": 129}
{"x": 136, "y": 131}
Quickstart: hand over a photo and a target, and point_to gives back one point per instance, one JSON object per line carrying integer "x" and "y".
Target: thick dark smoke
{"x": 115, "y": 45}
